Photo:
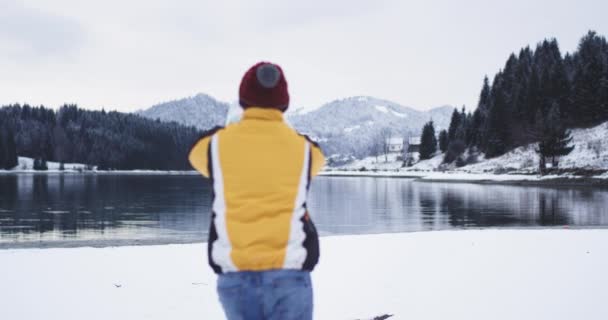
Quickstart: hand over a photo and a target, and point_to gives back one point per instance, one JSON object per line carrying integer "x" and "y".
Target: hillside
{"x": 351, "y": 126}
{"x": 201, "y": 111}
{"x": 107, "y": 140}
{"x": 590, "y": 153}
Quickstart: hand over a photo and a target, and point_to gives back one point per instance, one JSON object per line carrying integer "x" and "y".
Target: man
{"x": 262, "y": 242}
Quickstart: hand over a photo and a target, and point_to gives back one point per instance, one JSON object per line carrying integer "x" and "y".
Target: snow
{"x": 427, "y": 165}
{"x": 590, "y": 152}
{"x": 382, "y": 109}
{"x": 399, "y": 114}
{"x": 463, "y": 176}
{"x": 26, "y": 165}
{"x": 385, "y": 109}
{"x": 390, "y": 162}
{"x": 201, "y": 111}
{"x": 489, "y": 274}
{"x": 349, "y": 129}
{"x": 591, "y": 148}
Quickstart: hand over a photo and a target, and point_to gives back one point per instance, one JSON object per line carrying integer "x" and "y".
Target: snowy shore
{"x": 490, "y": 274}
{"x": 427, "y": 176}
{"x": 100, "y": 172}
{"x": 423, "y": 171}
{"x": 488, "y": 178}
{"x": 26, "y": 166}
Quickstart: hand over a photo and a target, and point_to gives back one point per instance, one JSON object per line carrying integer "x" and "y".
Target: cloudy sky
{"x": 130, "y": 54}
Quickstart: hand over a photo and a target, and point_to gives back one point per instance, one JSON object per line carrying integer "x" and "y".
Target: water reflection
{"x": 370, "y": 205}
{"x": 177, "y": 208}
{"x": 56, "y": 207}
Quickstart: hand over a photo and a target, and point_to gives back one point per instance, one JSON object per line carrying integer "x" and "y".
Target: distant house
{"x": 412, "y": 154}
{"x": 413, "y": 145}
{"x": 395, "y": 144}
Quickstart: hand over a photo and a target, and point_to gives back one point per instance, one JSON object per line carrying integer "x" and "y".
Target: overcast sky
{"x": 130, "y": 54}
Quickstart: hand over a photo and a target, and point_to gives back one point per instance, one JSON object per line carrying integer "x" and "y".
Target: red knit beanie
{"x": 264, "y": 85}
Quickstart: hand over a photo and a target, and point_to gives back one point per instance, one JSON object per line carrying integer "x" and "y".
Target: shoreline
{"x": 93, "y": 243}
{"x": 480, "y": 178}
{"x": 115, "y": 172}
{"x": 418, "y": 176}
{"x": 118, "y": 243}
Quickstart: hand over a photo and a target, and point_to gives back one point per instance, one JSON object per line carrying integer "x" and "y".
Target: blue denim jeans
{"x": 266, "y": 295}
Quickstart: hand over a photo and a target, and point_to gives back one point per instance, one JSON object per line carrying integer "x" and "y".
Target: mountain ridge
{"x": 201, "y": 111}
{"x": 347, "y": 127}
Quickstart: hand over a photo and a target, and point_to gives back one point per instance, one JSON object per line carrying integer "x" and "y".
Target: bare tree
{"x": 377, "y": 146}
{"x": 385, "y": 137}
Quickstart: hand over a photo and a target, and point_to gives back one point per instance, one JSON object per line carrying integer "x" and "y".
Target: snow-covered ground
{"x": 389, "y": 162}
{"x": 590, "y": 152}
{"x": 490, "y": 274}
{"x": 26, "y": 165}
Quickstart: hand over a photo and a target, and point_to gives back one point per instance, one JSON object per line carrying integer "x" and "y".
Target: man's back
{"x": 261, "y": 170}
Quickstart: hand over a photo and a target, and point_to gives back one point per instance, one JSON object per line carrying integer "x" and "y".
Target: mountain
{"x": 344, "y": 128}
{"x": 351, "y": 127}
{"x": 201, "y": 111}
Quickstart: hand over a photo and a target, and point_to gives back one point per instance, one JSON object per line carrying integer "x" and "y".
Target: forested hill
{"x": 537, "y": 94}
{"x": 109, "y": 140}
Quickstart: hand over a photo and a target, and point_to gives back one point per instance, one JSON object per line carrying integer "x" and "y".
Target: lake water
{"x": 75, "y": 209}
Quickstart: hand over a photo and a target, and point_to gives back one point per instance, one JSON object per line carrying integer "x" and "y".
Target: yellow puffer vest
{"x": 261, "y": 171}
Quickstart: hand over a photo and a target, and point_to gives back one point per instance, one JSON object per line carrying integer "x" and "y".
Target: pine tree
{"x": 454, "y": 125}
{"x": 443, "y": 141}
{"x": 3, "y": 151}
{"x": 497, "y": 126}
{"x": 484, "y": 96}
{"x": 590, "y": 81}
{"x": 40, "y": 164}
{"x": 533, "y": 98}
{"x": 475, "y": 128}
{"x": 560, "y": 89}
{"x": 479, "y": 116}
{"x": 11, "y": 159}
{"x": 554, "y": 138}
{"x": 428, "y": 141}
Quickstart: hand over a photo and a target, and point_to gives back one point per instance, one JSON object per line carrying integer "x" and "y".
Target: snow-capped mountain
{"x": 201, "y": 111}
{"x": 347, "y": 127}
{"x": 352, "y": 126}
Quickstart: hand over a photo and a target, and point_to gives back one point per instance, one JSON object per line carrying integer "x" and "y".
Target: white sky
{"x": 130, "y": 54}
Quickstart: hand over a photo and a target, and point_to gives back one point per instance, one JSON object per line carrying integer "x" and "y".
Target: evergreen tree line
{"x": 534, "y": 98}
{"x": 8, "y": 149}
{"x": 108, "y": 140}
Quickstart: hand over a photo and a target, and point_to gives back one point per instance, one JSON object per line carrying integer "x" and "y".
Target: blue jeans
{"x": 266, "y": 295}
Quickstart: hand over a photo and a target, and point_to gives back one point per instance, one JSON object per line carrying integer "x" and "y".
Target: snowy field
{"x": 491, "y": 274}
{"x": 590, "y": 152}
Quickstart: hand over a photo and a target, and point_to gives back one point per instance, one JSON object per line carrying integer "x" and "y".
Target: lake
{"x": 89, "y": 209}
